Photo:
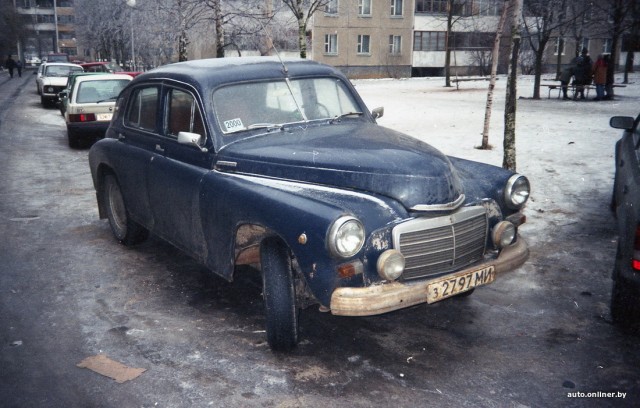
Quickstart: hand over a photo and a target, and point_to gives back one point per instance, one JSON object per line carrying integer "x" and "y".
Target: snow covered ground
{"x": 565, "y": 148}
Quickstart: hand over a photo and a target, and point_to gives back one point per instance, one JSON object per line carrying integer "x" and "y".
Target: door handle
{"x": 159, "y": 148}
{"x": 121, "y": 136}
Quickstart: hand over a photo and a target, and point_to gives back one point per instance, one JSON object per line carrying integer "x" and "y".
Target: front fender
{"x": 288, "y": 209}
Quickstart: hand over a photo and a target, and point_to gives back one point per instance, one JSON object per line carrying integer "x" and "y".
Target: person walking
{"x": 600, "y": 77}
{"x": 19, "y": 67}
{"x": 10, "y": 64}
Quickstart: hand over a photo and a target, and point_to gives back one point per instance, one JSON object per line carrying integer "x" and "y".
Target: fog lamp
{"x": 504, "y": 233}
{"x": 390, "y": 264}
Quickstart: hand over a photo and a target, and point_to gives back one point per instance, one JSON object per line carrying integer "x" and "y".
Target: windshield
{"x": 100, "y": 90}
{"x": 246, "y": 106}
{"x": 61, "y": 70}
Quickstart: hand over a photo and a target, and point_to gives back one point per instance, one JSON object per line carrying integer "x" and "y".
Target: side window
{"x": 143, "y": 109}
{"x": 183, "y": 114}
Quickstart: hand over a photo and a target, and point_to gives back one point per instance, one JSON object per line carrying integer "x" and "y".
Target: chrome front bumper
{"x": 383, "y": 298}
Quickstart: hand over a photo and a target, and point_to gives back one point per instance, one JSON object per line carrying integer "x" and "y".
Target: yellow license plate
{"x": 456, "y": 283}
{"x": 104, "y": 116}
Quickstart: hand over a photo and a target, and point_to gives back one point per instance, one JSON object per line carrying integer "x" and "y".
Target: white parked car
{"x": 90, "y": 105}
{"x": 52, "y": 78}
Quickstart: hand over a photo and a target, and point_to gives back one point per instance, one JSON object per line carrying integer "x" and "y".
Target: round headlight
{"x": 50, "y": 89}
{"x": 516, "y": 192}
{"x": 346, "y": 237}
{"x": 504, "y": 233}
{"x": 390, "y": 264}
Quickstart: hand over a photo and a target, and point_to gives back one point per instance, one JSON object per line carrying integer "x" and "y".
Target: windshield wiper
{"x": 268, "y": 126}
{"x": 344, "y": 115}
{"x": 108, "y": 99}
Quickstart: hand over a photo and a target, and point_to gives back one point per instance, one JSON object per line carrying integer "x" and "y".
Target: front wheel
{"x": 279, "y": 295}
{"x": 127, "y": 231}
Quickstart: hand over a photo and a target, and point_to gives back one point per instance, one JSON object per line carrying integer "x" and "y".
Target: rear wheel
{"x": 625, "y": 309}
{"x": 124, "y": 229}
{"x": 279, "y": 295}
{"x": 74, "y": 140}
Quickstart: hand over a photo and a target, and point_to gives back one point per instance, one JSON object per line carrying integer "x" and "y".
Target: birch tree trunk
{"x": 492, "y": 83}
{"x": 509, "y": 155}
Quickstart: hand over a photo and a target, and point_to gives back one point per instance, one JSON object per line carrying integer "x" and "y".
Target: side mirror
{"x": 622, "y": 122}
{"x": 63, "y": 94}
{"x": 193, "y": 139}
{"x": 377, "y": 112}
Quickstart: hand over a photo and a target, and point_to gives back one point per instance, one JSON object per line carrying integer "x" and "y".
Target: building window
{"x": 364, "y": 7}
{"x": 331, "y": 44}
{"x": 606, "y": 46}
{"x": 331, "y": 7}
{"x": 584, "y": 43}
{"x": 396, "y": 7}
{"x": 431, "y": 6}
{"x": 429, "y": 40}
{"x": 560, "y": 43}
{"x": 64, "y": 19}
{"x": 45, "y": 19}
{"x": 395, "y": 44}
{"x": 487, "y": 7}
{"x": 363, "y": 44}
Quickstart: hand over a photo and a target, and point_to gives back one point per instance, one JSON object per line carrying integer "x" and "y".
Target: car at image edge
{"x": 625, "y": 296}
{"x": 279, "y": 164}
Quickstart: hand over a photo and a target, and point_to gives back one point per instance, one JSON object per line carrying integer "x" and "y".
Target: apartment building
{"x": 50, "y": 28}
{"x": 365, "y": 38}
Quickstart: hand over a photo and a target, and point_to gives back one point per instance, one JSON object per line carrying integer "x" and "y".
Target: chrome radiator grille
{"x": 435, "y": 245}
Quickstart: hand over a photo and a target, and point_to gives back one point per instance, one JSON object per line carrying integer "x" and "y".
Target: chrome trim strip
{"x": 440, "y": 207}
{"x": 226, "y": 164}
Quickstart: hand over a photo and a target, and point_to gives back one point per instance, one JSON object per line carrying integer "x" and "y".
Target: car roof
{"x": 217, "y": 71}
{"x": 93, "y": 64}
{"x": 66, "y": 64}
{"x": 102, "y": 77}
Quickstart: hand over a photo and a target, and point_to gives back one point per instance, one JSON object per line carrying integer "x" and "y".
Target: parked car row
{"x": 86, "y": 94}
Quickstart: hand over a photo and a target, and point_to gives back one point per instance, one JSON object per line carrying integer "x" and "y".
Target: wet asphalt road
{"x": 69, "y": 291}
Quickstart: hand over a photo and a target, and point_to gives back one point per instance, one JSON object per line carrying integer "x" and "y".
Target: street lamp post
{"x": 132, "y": 4}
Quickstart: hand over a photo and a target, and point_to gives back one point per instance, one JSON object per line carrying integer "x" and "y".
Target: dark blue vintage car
{"x": 280, "y": 164}
{"x": 625, "y": 294}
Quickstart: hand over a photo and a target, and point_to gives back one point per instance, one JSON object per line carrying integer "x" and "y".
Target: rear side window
{"x": 183, "y": 114}
{"x": 143, "y": 108}
{"x": 101, "y": 90}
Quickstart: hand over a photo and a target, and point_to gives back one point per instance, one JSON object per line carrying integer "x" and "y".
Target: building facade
{"x": 50, "y": 28}
{"x": 365, "y": 38}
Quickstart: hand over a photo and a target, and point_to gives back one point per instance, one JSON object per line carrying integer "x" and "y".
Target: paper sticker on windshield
{"x": 233, "y": 125}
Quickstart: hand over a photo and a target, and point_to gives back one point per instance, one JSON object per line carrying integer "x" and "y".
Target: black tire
{"x": 279, "y": 295}
{"x": 124, "y": 229}
{"x": 74, "y": 140}
{"x": 625, "y": 312}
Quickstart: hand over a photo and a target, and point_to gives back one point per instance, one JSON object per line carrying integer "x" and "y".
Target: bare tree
{"x": 13, "y": 30}
{"x": 303, "y": 10}
{"x": 543, "y": 18}
{"x": 509, "y": 155}
{"x": 494, "y": 70}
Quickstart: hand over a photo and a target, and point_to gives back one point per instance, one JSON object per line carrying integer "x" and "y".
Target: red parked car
{"x": 107, "y": 67}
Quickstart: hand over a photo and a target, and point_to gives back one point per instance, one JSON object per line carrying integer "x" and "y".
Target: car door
{"x": 176, "y": 172}
{"x": 139, "y": 130}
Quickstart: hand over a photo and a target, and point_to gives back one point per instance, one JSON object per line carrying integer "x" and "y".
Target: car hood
{"x": 350, "y": 155}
